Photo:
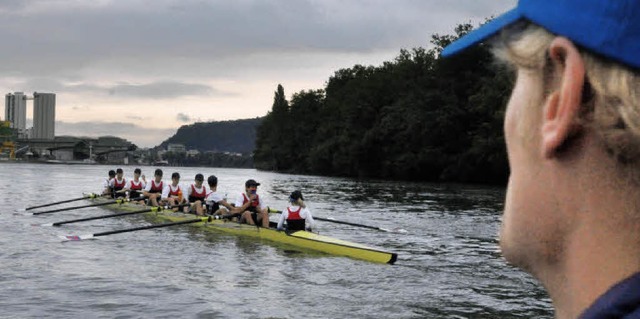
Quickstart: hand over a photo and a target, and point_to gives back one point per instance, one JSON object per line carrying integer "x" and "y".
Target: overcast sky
{"x": 139, "y": 69}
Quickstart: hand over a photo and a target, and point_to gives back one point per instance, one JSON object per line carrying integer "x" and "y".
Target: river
{"x": 445, "y": 236}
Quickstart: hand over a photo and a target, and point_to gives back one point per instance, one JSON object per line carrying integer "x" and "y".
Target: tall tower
{"x": 15, "y": 111}
{"x": 44, "y": 115}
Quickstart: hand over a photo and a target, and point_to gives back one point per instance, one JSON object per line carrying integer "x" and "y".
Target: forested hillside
{"x": 418, "y": 117}
{"x": 228, "y": 136}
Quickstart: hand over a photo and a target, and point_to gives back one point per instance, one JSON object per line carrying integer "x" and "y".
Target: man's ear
{"x": 562, "y": 107}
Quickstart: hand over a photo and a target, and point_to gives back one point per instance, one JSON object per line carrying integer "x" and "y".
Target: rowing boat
{"x": 300, "y": 239}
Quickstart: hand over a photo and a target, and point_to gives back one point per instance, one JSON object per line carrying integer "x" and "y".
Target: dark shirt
{"x": 620, "y": 301}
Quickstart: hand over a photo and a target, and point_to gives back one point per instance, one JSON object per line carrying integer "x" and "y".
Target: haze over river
{"x": 448, "y": 261}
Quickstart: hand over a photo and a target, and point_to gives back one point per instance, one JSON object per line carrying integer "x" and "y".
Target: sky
{"x": 140, "y": 69}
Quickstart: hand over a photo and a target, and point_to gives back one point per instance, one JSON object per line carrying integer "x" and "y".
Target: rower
{"x": 216, "y": 204}
{"x": 153, "y": 190}
{"x": 196, "y": 194}
{"x": 172, "y": 193}
{"x": 251, "y": 207}
{"x": 297, "y": 215}
{"x": 106, "y": 188}
{"x": 117, "y": 184}
{"x": 136, "y": 185}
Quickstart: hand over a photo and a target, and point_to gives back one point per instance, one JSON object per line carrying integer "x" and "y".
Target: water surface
{"x": 448, "y": 264}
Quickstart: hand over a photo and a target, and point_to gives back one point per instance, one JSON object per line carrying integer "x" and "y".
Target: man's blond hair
{"x": 611, "y": 95}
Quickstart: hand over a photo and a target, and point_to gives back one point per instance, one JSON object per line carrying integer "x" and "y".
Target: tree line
{"x": 418, "y": 117}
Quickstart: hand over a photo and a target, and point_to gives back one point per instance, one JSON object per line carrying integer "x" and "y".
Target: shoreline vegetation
{"x": 417, "y": 118}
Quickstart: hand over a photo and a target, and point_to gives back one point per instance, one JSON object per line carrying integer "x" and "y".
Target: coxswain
{"x": 118, "y": 183}
{"x": 196, "y": 195}
{"x": 215, "y": 202}
{"x": 172, "y": 194}
{"x": 136, "y": 185}
{"x": 297, "y": 216}
{"x": 253, "y": 211}
{"x": 153, "y": 190}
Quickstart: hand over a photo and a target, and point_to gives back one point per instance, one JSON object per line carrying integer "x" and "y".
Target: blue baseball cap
{"x": 610, "y": 28}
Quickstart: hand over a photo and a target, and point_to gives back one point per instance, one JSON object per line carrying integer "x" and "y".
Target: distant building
{"x": 15, "y": 111}
{"x": 176, "y": 148}
{"x": 44, "y": 115}
{"x": 193, "y": 153}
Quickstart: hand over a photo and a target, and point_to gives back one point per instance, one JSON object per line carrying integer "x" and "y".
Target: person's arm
{"x": 310, "y": 223}
{"x": 239, "y": 206}
{"x": 165, "y": 192}
{"x": 105, "y": 187}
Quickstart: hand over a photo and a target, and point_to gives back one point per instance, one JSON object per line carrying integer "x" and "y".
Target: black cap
{"x": 119, "y": 171}
{"x": 158, "y": 172}
{"x": 251, "y": 182}
{"x": 175, "y": 175}
{"x": 199, "y": 177}
{"x": 212, "y": 180}
{"x": 295, "y": 195}
{"x": 112, "y": 173}
{"x": 137, "y": 171}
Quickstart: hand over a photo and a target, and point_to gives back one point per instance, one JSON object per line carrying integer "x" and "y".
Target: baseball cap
{"x": 295, "y": 195}
{"x": 606, "y": 27}
{"x": 251, "y": 182}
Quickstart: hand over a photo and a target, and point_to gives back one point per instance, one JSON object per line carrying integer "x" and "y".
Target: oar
{"x": 89, "y": 236}
{"x": 90, "y": 195}
{"x": 117, "y": 201}
{"x": 152, "y": 209}
{"x": 339, "y": 222}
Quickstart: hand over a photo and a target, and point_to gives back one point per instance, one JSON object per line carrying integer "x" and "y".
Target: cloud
{"x": 160, "y": 90}
{"x": 183, "y": 117}
{"x": 152, "y": 90}
{"x": 77, "y": 35}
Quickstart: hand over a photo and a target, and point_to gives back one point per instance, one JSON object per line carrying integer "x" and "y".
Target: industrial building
{"x": 15, "y": 111}
{"x": 44, "y": 114}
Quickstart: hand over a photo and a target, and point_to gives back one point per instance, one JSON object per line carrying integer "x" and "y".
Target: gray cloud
{"x": 68, "y": 36}
{"x": 153, "y": 90}
{"x": 160, "y": 90}
{"x": 184, "y": 118}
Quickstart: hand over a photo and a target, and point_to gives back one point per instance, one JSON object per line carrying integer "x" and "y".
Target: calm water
{"x": 448, "y": 265}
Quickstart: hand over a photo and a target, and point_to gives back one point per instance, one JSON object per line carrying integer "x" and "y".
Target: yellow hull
{"x": 302, "y": 239}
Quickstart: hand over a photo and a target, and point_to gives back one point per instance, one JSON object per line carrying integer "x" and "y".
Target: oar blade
{"x": 76, "y": 237}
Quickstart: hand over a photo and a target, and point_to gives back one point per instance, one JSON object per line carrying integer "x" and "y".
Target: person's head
{"x": 119, "y": 173}
{"x": 137, "y": 172}
{"x": 175, "y": 178}
{"x": 577, "y": 65}
{"x": 112, "y": 174}
{"x": 295, "y": 196}
{"x": 199, "y": 179}
{"x": 251, "y": 186}
{"x": 212, "y": 181}
{"x": 158, "y": 174}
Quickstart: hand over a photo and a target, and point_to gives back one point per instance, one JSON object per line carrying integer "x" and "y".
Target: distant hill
{"x": 237, "y": 136}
